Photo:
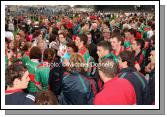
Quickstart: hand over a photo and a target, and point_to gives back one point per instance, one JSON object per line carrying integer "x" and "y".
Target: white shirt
{"x": 9, "y": 35}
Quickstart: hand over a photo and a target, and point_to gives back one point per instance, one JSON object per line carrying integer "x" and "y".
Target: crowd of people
{"x": 94, "y": 58}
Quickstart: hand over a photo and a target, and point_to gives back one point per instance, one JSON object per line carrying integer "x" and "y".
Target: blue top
{"x": 67, "y": 56}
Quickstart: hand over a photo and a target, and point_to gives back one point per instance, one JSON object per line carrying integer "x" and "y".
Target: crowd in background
{"x": 80, "y": 59}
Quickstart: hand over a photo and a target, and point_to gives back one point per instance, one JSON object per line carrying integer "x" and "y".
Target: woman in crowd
{"x": 76, "y": 88}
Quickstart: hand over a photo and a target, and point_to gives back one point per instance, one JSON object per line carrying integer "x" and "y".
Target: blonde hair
{"x": 77, "y": 63}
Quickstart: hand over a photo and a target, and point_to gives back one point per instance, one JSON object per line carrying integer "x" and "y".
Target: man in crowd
{"x": 115, "y": 91}
{"x": 17, "y": 79}
{"x": 116, "y": 42}
{"x": 81, "y": 42}
{"x": 137, "y": 47}
{"x": 104, "y": 51}
{"x": 96, "y": 33}
{"x": 129, "y": 72}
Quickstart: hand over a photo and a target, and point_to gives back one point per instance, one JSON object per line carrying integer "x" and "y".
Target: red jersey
{"x": 116, "y": 92}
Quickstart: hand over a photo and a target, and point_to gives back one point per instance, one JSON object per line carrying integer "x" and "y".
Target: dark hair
{"x": 46, "y": 97}
{"x": 119, "y": 38}
{"x": 35, "y": 53}
{"x": 52, "y": 37}
{"x": 36, "y": 33}
{"x": 63, "y": 33}
{"x": 116, "y": 32}
{"x": 107, "y": 24}
{"x": 132, "y": 32}
{"x": 55, "y": 30}
{"x": 83, "y": 38}
{"x": 72, "y": 45}
{"x": 105, "y": 44}
{"x": 13, "y": 72}
{"x": 48, "y": 54}
{"x": 140, "y": 42}
{"x": 129, "y": 57}
{"x": 108, "y": 67}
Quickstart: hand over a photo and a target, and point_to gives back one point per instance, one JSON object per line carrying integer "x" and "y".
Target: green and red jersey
{"x": 110, "y": 56}
{"x": 42, "y": 74}
{"x": 85, "y": 53}
{"x": 32, "y": 68}
{"x": 117, "y": 54}
{"x": 25, "y": 58}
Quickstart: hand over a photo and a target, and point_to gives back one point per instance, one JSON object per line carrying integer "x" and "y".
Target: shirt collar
{"x": 35, "y": 60}
{"x": 106, "y": 56}
{"x": 128, "y": 69}
{"x": 13, "y": 91}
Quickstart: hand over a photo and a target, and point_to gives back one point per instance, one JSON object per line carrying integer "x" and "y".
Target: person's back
{"x": 31, "y": 64}
{"x": 42, "y": 74}
{"x": 129, "y": 72}
{"x": 32, "y": 67}
{"x": 116, "y": 92}
{"x": 18, "y": 98}
{"x": 76, "y": 90}
{"x": 55, "y": 77}
{"x": 139, "y": 83}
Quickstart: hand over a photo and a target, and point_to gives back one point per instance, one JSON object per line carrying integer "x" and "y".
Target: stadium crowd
{"x": 80, "y": 59}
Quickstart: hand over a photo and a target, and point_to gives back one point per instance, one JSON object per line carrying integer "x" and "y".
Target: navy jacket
{"x": 19, "y": 98}
{"x": 76, "y": 90}
{"x": 139, "y": 83}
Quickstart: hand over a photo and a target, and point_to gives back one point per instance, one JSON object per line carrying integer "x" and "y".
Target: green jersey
{"x": 32, "y": 68}
{"x": 42, "y": 74}
{"x": 111, "y": 56}
{"x": 85, "y": 53}
{"x": 25, "y": 58}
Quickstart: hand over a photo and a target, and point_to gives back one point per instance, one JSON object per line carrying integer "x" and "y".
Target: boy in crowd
{"x": 17, "y": 79}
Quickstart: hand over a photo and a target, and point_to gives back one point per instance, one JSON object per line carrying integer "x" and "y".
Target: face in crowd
{"x": 134, "y": 45}
{"x": 115, "y": 43}
{"x": 17, "y": 37}
{"x": 11, "y": 45}
{"x": 70, "y": 50}
{"x": 106, "y": 34}
{"x": 62, "y": 39}
{"x": 78, "y": 41}
{"x": 22, "y": 82}
{"x": 100, "y": 51}
{"x": 89, "y": 38}
{"x": 152, "y": 56}
{"x": 128, "y": 36}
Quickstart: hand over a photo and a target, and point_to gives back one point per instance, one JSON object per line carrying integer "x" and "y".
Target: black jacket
{"x": 55, "y": 77}
{"x": 139, "y": 83}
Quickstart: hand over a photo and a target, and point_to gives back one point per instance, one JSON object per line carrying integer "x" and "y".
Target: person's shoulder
{"x": 30, "y": 97}
{"x": 120, "y": 82}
